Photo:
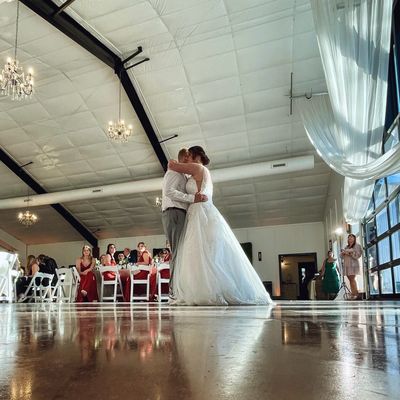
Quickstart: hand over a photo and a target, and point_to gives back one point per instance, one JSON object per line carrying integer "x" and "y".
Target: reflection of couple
{"x": 208, "y": 265}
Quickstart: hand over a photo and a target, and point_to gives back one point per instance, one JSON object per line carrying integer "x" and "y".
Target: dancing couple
{"x": 208, "y": 265}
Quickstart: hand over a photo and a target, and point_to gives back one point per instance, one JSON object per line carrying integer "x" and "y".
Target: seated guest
{"x": 111, "y": 251}
{"x": 85, "y": 265}
{"x": 144, "y": 258}
{"x": 165, "y": 256}
{"x": 121, "y": 259}
{"x": 23, "y": 282}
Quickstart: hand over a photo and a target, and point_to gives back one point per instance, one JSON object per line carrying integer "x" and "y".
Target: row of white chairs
{"x": 42, "y": 289}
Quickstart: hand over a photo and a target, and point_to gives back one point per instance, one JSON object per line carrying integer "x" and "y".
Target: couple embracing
{"x": 208, "y": 265}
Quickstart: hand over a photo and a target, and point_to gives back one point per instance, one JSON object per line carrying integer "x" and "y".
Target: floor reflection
{"x": 106, "y": 351}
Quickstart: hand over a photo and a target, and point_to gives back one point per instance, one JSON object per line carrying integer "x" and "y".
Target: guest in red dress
{"x": 111, "y": 249}
{"x": 144, "y": 258}
{"x": 165, "y": 257}
{"x": 85, "y": 265}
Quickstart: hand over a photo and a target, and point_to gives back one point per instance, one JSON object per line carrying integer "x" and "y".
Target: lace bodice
{"x": 206, "y": 186}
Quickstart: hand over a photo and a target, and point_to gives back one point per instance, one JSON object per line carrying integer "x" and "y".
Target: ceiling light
{"x": 27, "y": 218}
{"x": 118, "y": 131}
{"x": 13, "y": 81}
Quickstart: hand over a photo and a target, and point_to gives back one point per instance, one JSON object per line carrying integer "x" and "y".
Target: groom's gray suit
{"x": 175, "y": 202}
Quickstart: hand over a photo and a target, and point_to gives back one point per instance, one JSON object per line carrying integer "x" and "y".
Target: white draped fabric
{"x": 347, "y": 128}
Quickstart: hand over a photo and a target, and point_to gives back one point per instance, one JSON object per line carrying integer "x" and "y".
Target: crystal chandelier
{"x": 13, "y": 81}
{"x": 118, "y": 131}
{"x": 27, "y": 218}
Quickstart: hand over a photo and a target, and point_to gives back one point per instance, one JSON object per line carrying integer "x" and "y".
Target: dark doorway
{"x": 295, "y": 272}
{"x": 307, "y": 271}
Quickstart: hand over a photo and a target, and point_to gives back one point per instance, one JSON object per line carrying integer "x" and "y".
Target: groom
{"x": 175, "y": 202}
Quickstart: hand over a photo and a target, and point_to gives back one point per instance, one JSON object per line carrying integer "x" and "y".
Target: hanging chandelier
{"x": 13, "y": 81}
{"x": 27, "y": 218}
{"x": 118, "y": 131}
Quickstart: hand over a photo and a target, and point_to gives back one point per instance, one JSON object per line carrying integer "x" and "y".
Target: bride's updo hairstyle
{"x": 198, "y": 151}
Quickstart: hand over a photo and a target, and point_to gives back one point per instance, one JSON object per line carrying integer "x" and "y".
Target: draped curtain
{"x": 347, "y": 127}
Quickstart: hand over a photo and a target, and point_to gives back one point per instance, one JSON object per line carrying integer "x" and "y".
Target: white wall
{"x": 270, "y": 241}
{"x": 10, "y": 243}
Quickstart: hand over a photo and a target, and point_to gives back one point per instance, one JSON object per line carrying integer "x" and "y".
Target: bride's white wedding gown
{"x": 211, "y": 268}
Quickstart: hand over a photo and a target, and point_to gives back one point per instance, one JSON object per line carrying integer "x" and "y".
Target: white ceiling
{"x": 218, "y": 75}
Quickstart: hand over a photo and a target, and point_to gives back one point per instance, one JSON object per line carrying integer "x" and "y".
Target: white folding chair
{"x": 160, "y": 280}
{"x": 14, "y": 275}
{"x": 42, "y": 287}
{"x": 115, "y": 282}
{"x": 138, "y": 282}
{"x": 39, "y": 288}
{"x": 76, "y": 280}
{"x": 63, "y": 289}
{"x": 8, "y": 282}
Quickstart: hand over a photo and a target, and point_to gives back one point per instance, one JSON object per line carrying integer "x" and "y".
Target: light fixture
{"x": 158, "y": 202}
{"x": 27, "y": 218}
{"x": 339, "y": 231}
{"x": 13, "y": 81}
{"x": 118, "y": 131}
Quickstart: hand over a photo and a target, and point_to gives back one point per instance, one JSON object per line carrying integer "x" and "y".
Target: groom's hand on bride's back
{"x": 199, "y": 198}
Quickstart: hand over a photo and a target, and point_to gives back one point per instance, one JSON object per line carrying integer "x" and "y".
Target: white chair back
{"x": 115, "y": 282}
{"x": 137, "y": 282}
{"x": 160, "y": 280}
{"x": 64, "y": 287}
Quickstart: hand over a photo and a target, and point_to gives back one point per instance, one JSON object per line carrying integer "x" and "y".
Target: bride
{"x": 210, "y": 268}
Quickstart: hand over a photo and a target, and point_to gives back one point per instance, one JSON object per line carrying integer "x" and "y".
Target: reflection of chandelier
{"x": 118, "y": 131}
{"x": 27, "y": 218}
{"x": 13, "y": 81}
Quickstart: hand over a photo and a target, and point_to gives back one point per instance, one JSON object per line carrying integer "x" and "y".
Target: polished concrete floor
{"x": 295, "y": 350}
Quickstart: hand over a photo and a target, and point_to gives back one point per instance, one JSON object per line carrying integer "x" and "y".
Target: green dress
{"x": 330, "y": 284}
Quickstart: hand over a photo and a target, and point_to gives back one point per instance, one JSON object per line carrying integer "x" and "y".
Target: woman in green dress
{"x": 330, "y": 275}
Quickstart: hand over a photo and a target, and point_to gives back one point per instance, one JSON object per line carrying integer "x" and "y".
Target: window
{"x": 370, "y": 230}
{"x": 373, "y": 282}
{"x": 392, "y": 139}
{"x": 386, "y": 281}
{"x": 372, "y": 261}
{"x": 396, "y": 273}
{"x": 396, "y": 245}
{"x": 384, "y": 251}
{"x": 382, "y": 224}
{"x": 394, "y": 211}
{"x": 393, "y": 182}
{"x": 379, "y": 192}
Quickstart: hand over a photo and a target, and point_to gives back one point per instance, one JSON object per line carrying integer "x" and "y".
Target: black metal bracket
{"x": 63, "y": 7}
{"x": 169, "y": 138}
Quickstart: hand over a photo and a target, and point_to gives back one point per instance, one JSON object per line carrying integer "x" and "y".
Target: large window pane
{"x": 382, "y": 224}
{"x": 396, "y": 271}
{"x": 370, "y": 207}
{"x": 386, "y": 281}
{"x": 373, "y": 283}
{"x": 393, "y": 182}
{"x": 384, "y": 251}
{"x": 379, "y": 192}
{"x": 372, "y": 261}
{"x": 396, "y": 245}
{"x": 394, "y": 211}
{"x": 370, "y": 230}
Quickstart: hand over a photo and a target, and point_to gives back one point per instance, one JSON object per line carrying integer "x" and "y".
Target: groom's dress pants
{"x": 173, "y": 220}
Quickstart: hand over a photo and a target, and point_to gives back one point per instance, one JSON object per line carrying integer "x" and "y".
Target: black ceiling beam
{"x": 66, "y": 24}
{"x": 26, "y": 178}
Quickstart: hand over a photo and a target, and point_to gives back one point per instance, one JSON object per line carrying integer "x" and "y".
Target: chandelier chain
{"x": 16, "y": 32}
